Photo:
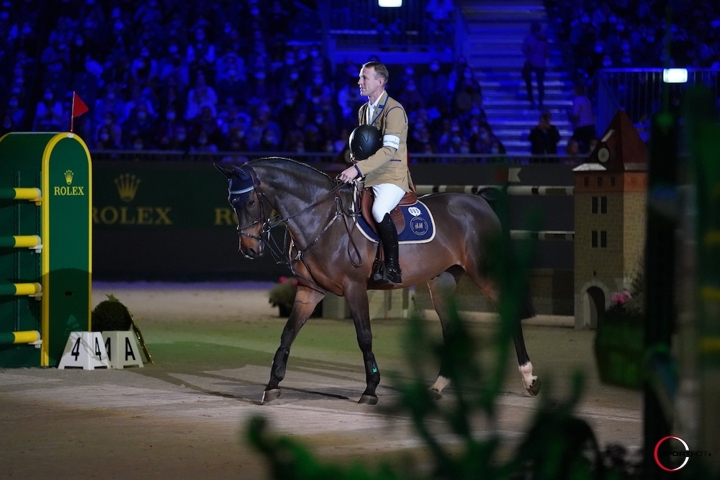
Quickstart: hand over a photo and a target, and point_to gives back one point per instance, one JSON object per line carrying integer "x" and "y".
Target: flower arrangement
{"x": 283, "y": 295}
{"x": 630, "y": 300}
{"x": 620, "y": 300}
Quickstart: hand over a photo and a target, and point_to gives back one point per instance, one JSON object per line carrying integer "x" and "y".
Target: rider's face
{"x": 369, "y": 82}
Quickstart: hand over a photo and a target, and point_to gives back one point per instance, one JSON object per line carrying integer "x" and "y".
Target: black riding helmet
{"x": 364, "y": 141}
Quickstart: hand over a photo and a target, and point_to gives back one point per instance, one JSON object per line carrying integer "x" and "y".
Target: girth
{"x": 367, "y": 197}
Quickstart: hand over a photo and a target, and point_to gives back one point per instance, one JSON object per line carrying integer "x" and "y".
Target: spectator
{"x": 232, "y": 82}
{"x": 103, "y": 140}
{"x": 203, "y": 144}
{"x": 572, "y": 152}
{"x": 109, "y": 102}
{"x": 48, "y": 113}
{"x": 205, "y": 122}
{"x": 144, "y": 69}
{"x": 434, "y": 86}
{"x": 235, "y": 140}
{"x": 180, "y": 141}
{"x": 259, "y": 91}
{"x": 582, "y": 119}
{"x": 8, "y": 125}
{"x": 201, "y": 95}
{"x": 457, "y": 73}
{"x": 78, "y": 54}
{"x": 486, "y": 142}
{"x": 544, "y": 137}
{"x": 200, "y": 55}
{"x": 467, "y": 95}
{"x": 349, "y": 99}
{"x": 140, "y": 124}
{"x": 269, "y": 142}
{"x": 536, "y": 49}
{"x": 14, "y": 109}
{"x": 114, "y": 130}
{"x": 410, "y": 97}
{"x": 172, "y": 68}
{"x": 166, "y": 129}
{"x": 439, "y": 21}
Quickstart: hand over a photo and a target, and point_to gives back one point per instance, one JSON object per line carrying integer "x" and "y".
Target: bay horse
{"x": 329, "y": 254}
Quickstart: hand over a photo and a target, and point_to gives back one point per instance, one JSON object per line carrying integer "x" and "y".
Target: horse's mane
{"x": 293, "y": 164}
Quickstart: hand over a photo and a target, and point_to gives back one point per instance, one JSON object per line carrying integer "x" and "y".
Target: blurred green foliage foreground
{"x": 557, "y": 446}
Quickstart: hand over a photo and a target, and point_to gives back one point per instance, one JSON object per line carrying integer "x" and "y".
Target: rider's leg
{"x": 389, "y": 238}
{"x": 387, "y": 196}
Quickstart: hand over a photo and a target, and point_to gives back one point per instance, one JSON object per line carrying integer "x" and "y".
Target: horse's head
{"x": 248, "y": 206}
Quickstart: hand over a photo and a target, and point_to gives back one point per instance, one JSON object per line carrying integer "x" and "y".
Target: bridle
{"x": 254, "y": 222}
{"x": 281, "y": 254}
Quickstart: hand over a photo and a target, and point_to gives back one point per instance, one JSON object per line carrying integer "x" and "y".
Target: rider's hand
{"x": 348, "y": 175}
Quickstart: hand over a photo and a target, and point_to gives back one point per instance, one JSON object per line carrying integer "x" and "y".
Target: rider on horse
{"x": 385, "y": 170}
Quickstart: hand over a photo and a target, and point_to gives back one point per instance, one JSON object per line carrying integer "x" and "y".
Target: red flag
{"x": 78, "y": 106}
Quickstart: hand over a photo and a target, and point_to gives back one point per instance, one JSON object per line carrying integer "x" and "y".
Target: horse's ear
{"x": 224, "y": 170}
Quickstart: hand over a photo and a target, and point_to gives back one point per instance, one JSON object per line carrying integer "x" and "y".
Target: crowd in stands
{"x": 215, "y": 76}
{"x": 630, "y": 33}
{"x": 241, "y": 76}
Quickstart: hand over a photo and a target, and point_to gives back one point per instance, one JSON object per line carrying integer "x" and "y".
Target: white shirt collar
{"x": 373, "y": 106}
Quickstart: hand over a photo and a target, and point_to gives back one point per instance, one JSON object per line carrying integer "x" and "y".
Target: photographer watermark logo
{"x": 672, "y": 453}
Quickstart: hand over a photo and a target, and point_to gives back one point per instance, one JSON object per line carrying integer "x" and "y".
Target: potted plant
{"x": 619, "y": 338}
{"x": 283, "y": 297}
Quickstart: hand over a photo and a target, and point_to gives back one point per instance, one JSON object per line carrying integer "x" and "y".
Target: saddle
{"x": 367, "y": 197}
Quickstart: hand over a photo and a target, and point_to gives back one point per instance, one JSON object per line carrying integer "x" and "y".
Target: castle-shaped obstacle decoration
{"x": 45, "y": 245}
{"x": 610, "y": 199}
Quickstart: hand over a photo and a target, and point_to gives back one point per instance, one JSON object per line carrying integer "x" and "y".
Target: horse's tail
{"x": 489, "y": 194}
{"x": 528, "y": 310}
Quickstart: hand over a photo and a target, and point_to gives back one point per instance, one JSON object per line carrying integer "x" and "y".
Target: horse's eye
{"x": 251, "y": 202}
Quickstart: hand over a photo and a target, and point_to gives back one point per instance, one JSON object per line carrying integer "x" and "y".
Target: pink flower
{"x": 620, "y": 298}
{"x": 283, "y": 279}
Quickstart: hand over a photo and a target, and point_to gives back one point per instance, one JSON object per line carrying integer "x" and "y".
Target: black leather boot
{"x": 390, "y": 274}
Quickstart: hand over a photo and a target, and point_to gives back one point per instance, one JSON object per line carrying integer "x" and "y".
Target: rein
{"x": 283, "y": 255}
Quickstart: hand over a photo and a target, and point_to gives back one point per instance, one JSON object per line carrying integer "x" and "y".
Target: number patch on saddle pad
{"x": 419, "y": 225}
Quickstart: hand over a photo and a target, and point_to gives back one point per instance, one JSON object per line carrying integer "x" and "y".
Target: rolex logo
{"x": 127, "y": 185}
{"x": 69, "y": 176}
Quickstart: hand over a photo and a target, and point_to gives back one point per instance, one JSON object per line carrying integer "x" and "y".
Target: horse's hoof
{"x": 435, "y": 394}
{"x": 368, "y": 399}
{"x": 270, "y": 395}
{"x": 534, "y": 387}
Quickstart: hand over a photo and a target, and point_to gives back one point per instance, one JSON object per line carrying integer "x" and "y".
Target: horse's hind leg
{"x": 441, "y": 289}
{"x": 531, "y": 382}
{"x": 306, "y": 299}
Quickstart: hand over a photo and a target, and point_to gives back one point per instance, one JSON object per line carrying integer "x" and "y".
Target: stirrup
{"x": 378, "y": 271}
{"x": 393, "y": 275}
{"x": 390, "y": 276}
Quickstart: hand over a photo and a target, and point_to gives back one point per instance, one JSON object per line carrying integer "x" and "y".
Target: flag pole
{"x": 72, "y": 113}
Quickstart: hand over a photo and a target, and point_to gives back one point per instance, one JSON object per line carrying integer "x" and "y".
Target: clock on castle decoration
{"x": 620, "y": 148}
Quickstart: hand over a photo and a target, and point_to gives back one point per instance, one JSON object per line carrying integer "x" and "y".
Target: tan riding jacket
{"x": 387, "y": 165}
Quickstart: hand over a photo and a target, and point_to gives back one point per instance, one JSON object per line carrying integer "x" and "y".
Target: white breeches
{"x": 387, "y": 196}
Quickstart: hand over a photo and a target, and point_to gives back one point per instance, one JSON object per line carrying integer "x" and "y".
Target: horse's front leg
{"x": 360, "y": 310}
{"x": 306, "y": 299}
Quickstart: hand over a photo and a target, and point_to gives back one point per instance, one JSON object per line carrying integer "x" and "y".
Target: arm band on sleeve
{"x": 391, "y": 141}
